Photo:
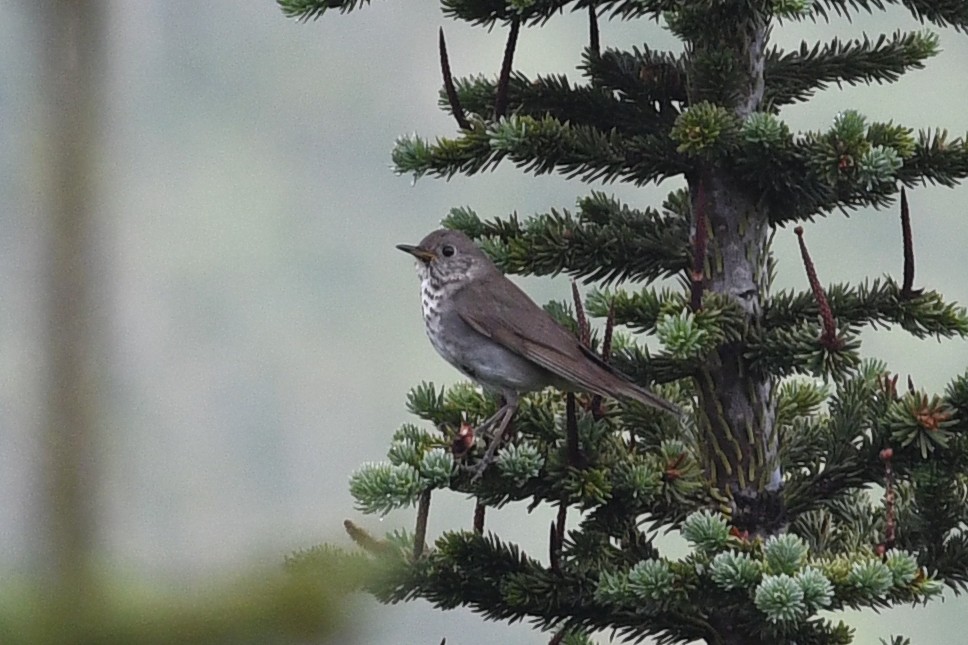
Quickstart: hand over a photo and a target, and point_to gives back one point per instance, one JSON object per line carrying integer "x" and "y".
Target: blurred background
{"x": 250, "y": 330}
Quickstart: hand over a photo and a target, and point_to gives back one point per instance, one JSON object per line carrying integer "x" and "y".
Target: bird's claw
{"x": 477, "y": 470}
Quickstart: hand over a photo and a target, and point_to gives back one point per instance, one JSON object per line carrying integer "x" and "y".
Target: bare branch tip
{"x": 504, "y": 80}
{"x": 449, "y": 87}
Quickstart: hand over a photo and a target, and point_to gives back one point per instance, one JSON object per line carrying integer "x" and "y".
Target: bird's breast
{"x": 478, "y": 357}
{"x": 430, "y": 305}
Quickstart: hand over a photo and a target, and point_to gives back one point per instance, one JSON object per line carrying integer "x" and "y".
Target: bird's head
{"x": 446, "y": 256}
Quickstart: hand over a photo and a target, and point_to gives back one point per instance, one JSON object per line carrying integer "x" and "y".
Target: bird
{"x": 483, "y": 324}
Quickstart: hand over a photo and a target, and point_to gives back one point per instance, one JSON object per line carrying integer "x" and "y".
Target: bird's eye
{"x": 447, "y": 250}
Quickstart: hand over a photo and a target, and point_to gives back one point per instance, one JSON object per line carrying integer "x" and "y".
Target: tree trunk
{"x": 737, "y": 413}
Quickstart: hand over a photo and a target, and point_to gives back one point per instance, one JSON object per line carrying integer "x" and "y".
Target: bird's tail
{"x": 620, "y": 385}
{"x": 637, "y": 393}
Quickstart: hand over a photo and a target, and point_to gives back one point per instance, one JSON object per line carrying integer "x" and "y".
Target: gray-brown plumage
{"x": 490, "y": 330}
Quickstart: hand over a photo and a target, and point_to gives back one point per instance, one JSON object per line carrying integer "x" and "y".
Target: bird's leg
{"x": 491, "y": 420}
{"x": 509, "y": 409}
{"x": 487, "y": 423}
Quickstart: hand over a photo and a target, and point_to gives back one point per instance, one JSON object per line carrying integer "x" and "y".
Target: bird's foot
{"x": 477, "y": 470}
{"x": 505, "y": 413}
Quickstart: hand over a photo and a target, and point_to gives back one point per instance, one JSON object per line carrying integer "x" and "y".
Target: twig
{"x": 593, "y": 39}
{"x": 479, "y": 511}
{"x": 363, "y": 539}
{"x": 829, "y": 336}
{"x": 907, "y": 289}
{"x": 571, "y": 431}
{"x": 558, "y": 537}
{"x": 584, "y": 329}
{"x": 504, "y": 80}
{"x": 449, "y": 87}
{"x": 890, "y": 520}
{"x": 420, "y": 533}
{"x": 596, "y": 406}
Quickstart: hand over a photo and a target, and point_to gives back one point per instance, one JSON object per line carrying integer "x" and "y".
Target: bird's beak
{"x": 421, "y": 254}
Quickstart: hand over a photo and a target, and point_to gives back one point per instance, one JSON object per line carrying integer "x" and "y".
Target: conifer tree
{"x": 775, "y": 477}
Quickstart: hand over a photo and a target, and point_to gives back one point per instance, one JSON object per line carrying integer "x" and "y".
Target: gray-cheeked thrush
{"x": 490, "y": 330}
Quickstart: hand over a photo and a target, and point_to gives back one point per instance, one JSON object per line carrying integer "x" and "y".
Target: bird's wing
{"x": 511, "y": 318}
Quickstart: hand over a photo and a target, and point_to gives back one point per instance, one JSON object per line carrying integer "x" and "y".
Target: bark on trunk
{"x": 737, "y": 417}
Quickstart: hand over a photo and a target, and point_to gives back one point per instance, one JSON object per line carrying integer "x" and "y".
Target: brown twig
{"x": 888, "y": 386}
{"x": 559, "y": 638}
{"x": 558, "y": 537}
{"x": 829, "y": 336}
{"x": 890, "y": 520}
{"x": 449, "y": 86}
{"x": 584, "y": 329}
{"x": 609, "y": 330}
{"x": 585, "y": 338}
{"x": 697, "y": 276}
{"x": 554, "y": 554}
{"x": 504, "y": 80}
{"x": 363, "y": 539}
{"x": 593, "y": 38}
{"x": 571, "y": 431}
{"x": 479, "y": 511}
{"x": 907, "y": 289}
{"x": 420, "y": 533}
{"x": 597, "y": 411}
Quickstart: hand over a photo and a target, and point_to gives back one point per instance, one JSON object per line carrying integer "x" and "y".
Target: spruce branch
{"x": 500, "y": 582}
{"x": 936, "y": 159}
{"x": 851, "y": 165}
{"x": 795, "y": 76}
{"x": 306, "y": 10}
{"x": 541, "y": 146}
{"x": 879, "y": 303}
{"x": 642, "y": 311}
{"x": 828, "y": 458}
{"x": 605, "y": 241}
{"x": 784, "y": 351}
{"x": 799, "y": 400}
{"x": 642, "y": 77}
{"x": 939, "y": 12}
{"x": 487, "y": 13}
{"x": 854, "y": 163}
{"x": 536, "y": 12}
{"x": 644, "y": 366}
{"x": 557, "y": 97}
